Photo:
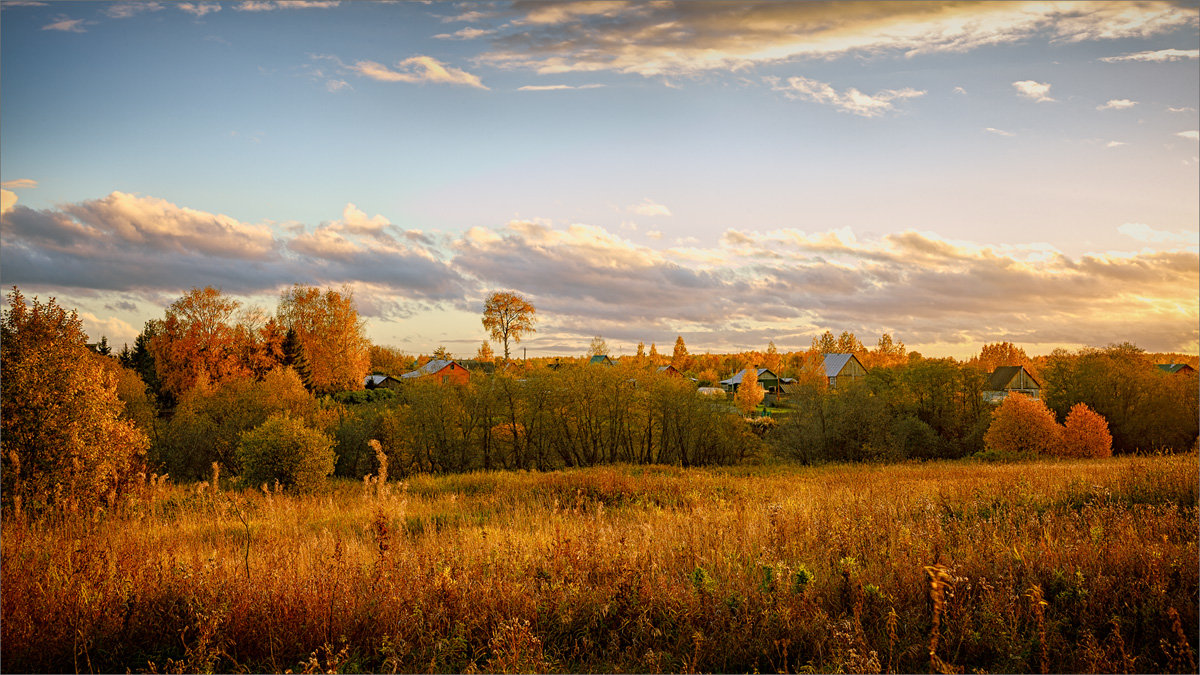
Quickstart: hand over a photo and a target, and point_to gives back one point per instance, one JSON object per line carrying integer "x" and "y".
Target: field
{"x": 1082, "y": 566}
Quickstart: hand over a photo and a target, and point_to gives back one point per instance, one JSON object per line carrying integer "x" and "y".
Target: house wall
{"x": 452, "y": 374}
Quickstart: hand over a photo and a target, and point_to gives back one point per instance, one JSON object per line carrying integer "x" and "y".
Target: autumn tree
{"x": 995, "y": 355}
{"x": 825, "y": 344}
{"x": 1085, "y": 433}
{"x": 328, "y": 327}
{"x": 654, "y": 356}
{"x": 1023, "y": 426}
{"x": 442, "y": 353}
{"x": 198, "y": 342}
{"x": 485, "y": 353}
{"x": 63, "y": 438}
{"x": 508, "y": 316}
{"x": 772, "y": 360}
{"x": 389, "y": 361}
{"x": 680, "y": 358}
{"x": 750, "y": 393}
{"x": 598, "y": 347}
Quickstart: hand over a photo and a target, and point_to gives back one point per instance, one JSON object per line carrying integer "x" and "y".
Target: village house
{"x": 1008, "y": 379}
{"x": 768, "y": 380}
{"x": 843, "y": 369}
{"x": 442, "y": 370}
{"x": 669, "y": 370}
{"x": 601, "y": 359}
{"x": 381, "y": 382}
{"x": 1176, "y": 368}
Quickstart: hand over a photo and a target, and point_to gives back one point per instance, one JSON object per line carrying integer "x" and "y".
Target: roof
{"x": 835, "y": 362}
{"x": 374, "y": 380}
{"x": 1173, "y": 368}
{"x": 430, "y": 368}
{"x": 602, "y": 359}
{"x": 663, "y": 369}
{"x": 737, "y": 379}
{"x": 1000, "y": 377}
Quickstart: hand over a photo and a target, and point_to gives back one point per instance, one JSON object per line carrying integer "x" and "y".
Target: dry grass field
{"x": 1056, "y": 566}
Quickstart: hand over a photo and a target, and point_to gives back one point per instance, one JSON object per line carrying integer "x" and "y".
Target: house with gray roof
{"x": 1008, "y": 379}
{"x": 843, "y": 369}
{"x": 442, "y": 370}
{"x": 381, "y": 381}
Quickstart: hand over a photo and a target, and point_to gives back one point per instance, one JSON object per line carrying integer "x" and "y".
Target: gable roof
{"x": 602, "y": 359}
{"x": 1173, "y": 368}
{"x": 375, "y": 380}
{"x": 430, "y": 368}
{"x": 835, "y": 362}
{"x": 1000, "y": 377}
{"x": 666, "y": 368}
{"x": 737, "y": 379}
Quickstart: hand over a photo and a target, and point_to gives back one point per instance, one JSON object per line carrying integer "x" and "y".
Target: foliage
{"x": 598, "y": 347}
{"x": 389, "y": 361}
{"x": 1023, "y": 426}
{"x": 485, "y": 353}
{"x": 328, "y": 327}
{"x": 508, "y": 316}
{"x": 197, "y": 342}
{"x": 772, "y": 568}
{"x": 65, "y": 441}
{"x": 999, "y": 354}
{"x": 285, "y": 450}
{"x": 679, "y": 358}
{"x": 1085, "y": 433}
{"x": 750, "y": 393}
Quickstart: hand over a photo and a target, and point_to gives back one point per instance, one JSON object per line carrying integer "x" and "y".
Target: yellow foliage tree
{"x": 198, "y": 342}
{"x": 1023, "y": 426}
{"x": 508, "y": 316}
{"x": 750, "y": 393}
{"x": 1085, "y": 433}
{"x": 63, "y": 439}
{"x": 328, "y": 328}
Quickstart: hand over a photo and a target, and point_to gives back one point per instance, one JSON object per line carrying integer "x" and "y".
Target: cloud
{"x": 66, "y": 25}
{"x": 1181, "y": 109}
{"x": 1114, "y": 144}
{"x": 1037, "y": 91}
{"x": 19, "y": 183}
{"x": 1192, "y": 135}
{"x": 465, "y": 34}
{"x": 8, "y": 199}
{"x": 1160, "y": 56}
{"x": 960, "y": 90}
{"x": 557, "y": 87}
{"x": 649, "y": 208}
{"x": 198, "y": 9}
{"x": 1117, "y": 104}
{"x": 125, "y": 10}
{"x": 848, "y": 100}
{"x": 1143, "y": 232}
{"x": 337, "y": 85}
{"x": 416, "y": 69}
{"x": 998, "y": 132}
{"x": 272, "y": 5}
{"x": 689, "y": 38}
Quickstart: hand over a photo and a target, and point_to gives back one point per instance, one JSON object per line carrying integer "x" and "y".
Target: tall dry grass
{"x": 1068, "y": 566}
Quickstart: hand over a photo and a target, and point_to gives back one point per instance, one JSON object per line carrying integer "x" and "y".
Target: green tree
{"x": 63, "y": 438}
{"x": 285, "y": 449}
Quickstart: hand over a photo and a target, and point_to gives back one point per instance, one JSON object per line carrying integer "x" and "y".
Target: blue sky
{"x": 731, "y": 172}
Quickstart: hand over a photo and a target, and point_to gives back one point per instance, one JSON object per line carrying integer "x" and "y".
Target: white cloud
{"x": 1114, "y": 144}
{"x": 19, "y": 183}
{"x": 1192, "y": 135}
{"x": 998, "y": 132}
{"x": 8, "y": 199}
{"x": 1037, "y": 91}
{"x": 1160, "y": 56}
{"x": 125, "y": 10}
{"x": 464, "y": 34}
{"x": 66, "y": 25}
{"x": 557, "y": 87}
{"x": 198, "y": 9}
{"x": 337, "y": 85}
{"x": 1143, "y": 232}
{"x": 416, "y": 69}
{"x": 116, "y": 330}
{"x": 649, "y": 208}
{"x": 272, "y": 5}
{"x": 1181, "y": 109}
{"x": 654, "y": 234}
{"x": 848, "y": 100}
{"x": 960, "y": 90}
{"x": 1117, "y": 104}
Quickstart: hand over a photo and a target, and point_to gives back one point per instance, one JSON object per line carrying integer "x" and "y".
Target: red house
{"x": 441, "y": 370}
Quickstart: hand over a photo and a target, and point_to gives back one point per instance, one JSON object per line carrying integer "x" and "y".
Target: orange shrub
{"x": 1085, "y": 433}
{"x": 1023, "y": 425}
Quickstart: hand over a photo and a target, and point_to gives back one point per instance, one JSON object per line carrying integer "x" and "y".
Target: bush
{"x": 1021, "y": 426}
{"x": 286, "y": 450}
{"x": 1085, "y": 434}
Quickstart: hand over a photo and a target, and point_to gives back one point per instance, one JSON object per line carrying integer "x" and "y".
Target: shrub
{"x": 286, "y": 450}
{"x": 1023, "y": 426}
{"x": 1085, "y": 433}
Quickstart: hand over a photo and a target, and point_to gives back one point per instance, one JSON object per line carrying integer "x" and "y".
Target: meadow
{"x": 957, "y": 566}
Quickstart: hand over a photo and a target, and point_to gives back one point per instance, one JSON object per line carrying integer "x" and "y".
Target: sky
{"x": 734, "y": 173}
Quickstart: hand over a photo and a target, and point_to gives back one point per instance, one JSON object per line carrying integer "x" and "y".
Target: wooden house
{"x": 668, "y": 370}
{"x": 602, "y": 360}
{"x": 1008, "y": 379}
{"x": 1176, "y": 368}
{"x": 768, "y": 380}
{"x": 843, "y": 369}
{"x": 381, "y": 382}
{"x": 441, "y": 370}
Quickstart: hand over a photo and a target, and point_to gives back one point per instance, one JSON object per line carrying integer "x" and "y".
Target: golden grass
{"x": 1060, "y": 566}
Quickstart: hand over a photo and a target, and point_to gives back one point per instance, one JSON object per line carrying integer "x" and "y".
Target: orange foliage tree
{"x": 508, "y": 316}
{"x": 1023, "y": 425}
{"x": 998, "y": 354}
{"x": 1085, "y": 433}
{"x": 328, "y": 328}
{"x": 750, "y": 393}
{"x": 198, "y": 342}
{"x": 680, "y": 358}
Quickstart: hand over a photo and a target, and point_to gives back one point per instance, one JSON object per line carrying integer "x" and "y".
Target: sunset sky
{"x": 730, "y": 172}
